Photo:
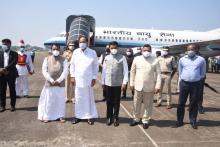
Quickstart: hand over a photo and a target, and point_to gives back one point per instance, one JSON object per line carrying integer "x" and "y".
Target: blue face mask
{"x": 5, "y": 48}
{"x": 22, "y": 49}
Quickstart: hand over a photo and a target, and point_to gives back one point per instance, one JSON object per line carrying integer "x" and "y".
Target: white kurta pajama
{"x": 84, "y": 67}
{"x": 23, "y": 72}
{"x": 52, "y": 99}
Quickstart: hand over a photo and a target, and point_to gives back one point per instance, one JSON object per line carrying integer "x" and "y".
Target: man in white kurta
{"x": 83, "y": 70}
{"x": 24, "y": 67}
{"x": 52, "y": 99}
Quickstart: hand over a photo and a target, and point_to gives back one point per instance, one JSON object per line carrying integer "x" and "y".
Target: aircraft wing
{"x": 206, "y": 47}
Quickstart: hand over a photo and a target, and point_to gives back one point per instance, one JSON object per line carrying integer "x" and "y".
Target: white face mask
{"x": 165, "y": 53}
{"x": 71, "y": 48}
{"x": 128, "y": 53}
{"x": 146, "y": 54}
{"x": 114, "y": 51}
{"x": 83, "y": 45}
{"x": 56, "y": 52}
{"x": 5, "y": 48}
{"x": 191, "y": 54}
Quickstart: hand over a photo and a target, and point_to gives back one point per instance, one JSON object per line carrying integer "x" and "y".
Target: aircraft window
{"x": 100, "y": 37}
{"x": 172, "y": 40}
{"x": 165, "y": 40}
{"x": 145, "y": 39}
{"x": 142, "y": 39}
{"x": 112, "y": 38}
{"x": 127, "y": 38}
{"x": 108, "y": 37}
{"x": 176, "y": 40}
{"x": 103, "y": 37}
{"x": 123, "y": 38}
{"x": 194, "y": 41}
{"x": 169, "y": 40}
{"x": 96, "y": 37}
{"x": 161, "y": 39}
{"x": 183, "y": 40}
{"x": 119, "y": 38}
{"x": 179, "y": 40}
{"x": 116, "y": 38}
{"x": 131, "y": 38}
{"x": 190, "y": 40}
{"x": 156, "y": 39}
{"x": 186, "y": 40}
{"x": 138, "y": 39}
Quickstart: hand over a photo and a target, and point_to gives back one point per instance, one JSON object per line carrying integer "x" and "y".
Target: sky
{"x": 35, "y": 21}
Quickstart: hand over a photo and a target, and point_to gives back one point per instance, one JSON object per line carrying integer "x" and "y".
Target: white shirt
{"x": 6, "y": 58}
{"x": 47, "y": 75}
{"x": 84, "y": 66}
{"x": 125, "y": 71}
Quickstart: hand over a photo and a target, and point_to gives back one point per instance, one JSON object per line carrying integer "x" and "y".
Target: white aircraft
{"x": 134, "y": 38}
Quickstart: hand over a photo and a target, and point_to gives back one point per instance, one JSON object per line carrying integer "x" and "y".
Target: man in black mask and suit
{"x": 8, "y": 74}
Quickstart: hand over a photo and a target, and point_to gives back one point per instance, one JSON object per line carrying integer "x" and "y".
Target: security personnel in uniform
{"x": 69, "y": 89}
{"x": 168, "y": 69}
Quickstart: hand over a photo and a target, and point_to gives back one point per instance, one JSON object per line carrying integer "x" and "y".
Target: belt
{"x": 166, "y": 72}
{"x": 190, "y": 81}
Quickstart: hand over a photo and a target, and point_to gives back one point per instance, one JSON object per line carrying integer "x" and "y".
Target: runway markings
{"x": 129, "y": 114}
{"x": 151, "y": 139}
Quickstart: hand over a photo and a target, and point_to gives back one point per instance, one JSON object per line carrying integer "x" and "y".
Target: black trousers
{"x": 10, "y": 81}
{"x": 201, "y": 90}
{"x": 191, "y": 89}
{"x": 104, "y": 91}
{"x": 113, "y": 95}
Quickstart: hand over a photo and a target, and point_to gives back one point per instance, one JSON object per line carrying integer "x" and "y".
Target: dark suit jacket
{"x": 13, "y": 59}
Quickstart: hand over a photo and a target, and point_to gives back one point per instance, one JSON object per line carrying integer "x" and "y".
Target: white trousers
{"x": 22, "y": 79}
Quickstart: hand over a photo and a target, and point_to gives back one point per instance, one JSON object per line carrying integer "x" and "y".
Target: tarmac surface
{"x": 21, "y": 128}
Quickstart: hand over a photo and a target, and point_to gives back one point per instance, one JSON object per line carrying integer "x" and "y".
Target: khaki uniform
{"x": 167, "y": 65}
{"x": 69, "y": 88}
{"x": 145, "y": 77}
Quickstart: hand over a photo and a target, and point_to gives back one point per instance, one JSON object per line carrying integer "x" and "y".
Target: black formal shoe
{"x": 2, "y": 109}
{"x": 194, "y": 125}
{"x": 90, "y": 122}
{"x": 201, "y": 110}
{"x": 158, "y": 105}
{"x": 134, "y": 123}
{"x": 145, "y": 125}
{"x": 124, "y": 97}
{"x": 116, "y": 123}
{"x": 75, "y": 121}
{"x": 12, "y": 109}
{"x": 109, "y": 121}
{"x": 104, "y": 99}
{"x": 26, "y": 96}
{"x": 179, "y": 124}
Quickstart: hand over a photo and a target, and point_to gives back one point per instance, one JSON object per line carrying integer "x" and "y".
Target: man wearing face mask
{"x": 51, "y": 104}
{"x": 101, "y": 60}
{"x": 83, "y": 70}
{"x": 129, "y": 57}
{"x": 8, "y": 74}
{"x": 145, "y": 79}
{"x": 168, "y": 69}
{"x": 24, "y": 67}
{"x": 115, "y": 77}
{"x": 192, "y": 69}
{"x": 69, "y": 89}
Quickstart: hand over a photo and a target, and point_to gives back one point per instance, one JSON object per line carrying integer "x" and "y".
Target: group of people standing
{"x": 14, "y": 69}
{"x": 77, "y": 69}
